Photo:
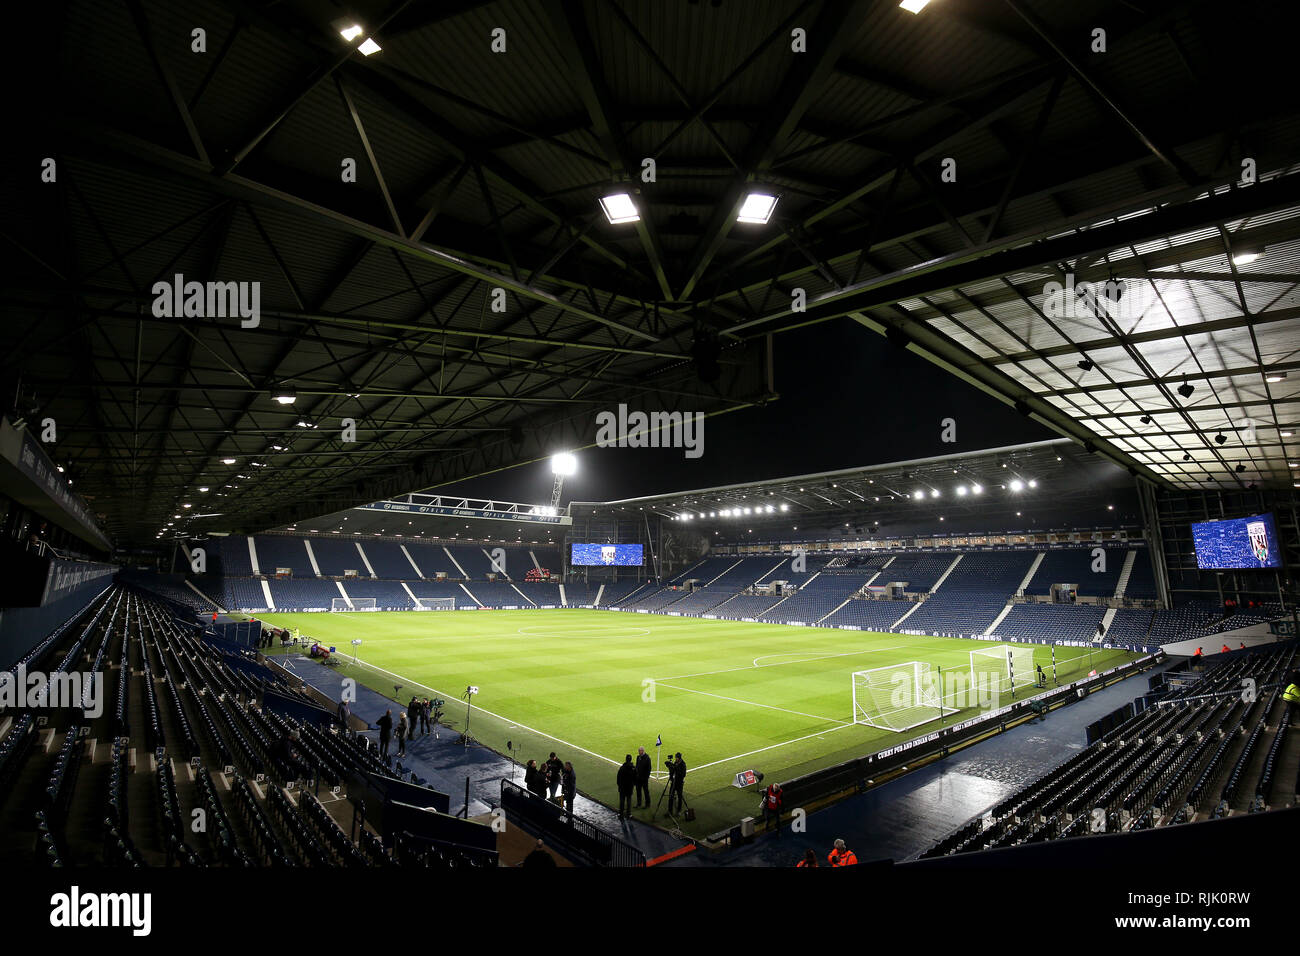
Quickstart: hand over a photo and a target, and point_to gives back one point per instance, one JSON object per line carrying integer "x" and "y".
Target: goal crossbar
{"x": 436, "y": 603}
{"x": 1003, "y": 668}
{"x": 898, "y": 697}
{"x": 353, "y": 604}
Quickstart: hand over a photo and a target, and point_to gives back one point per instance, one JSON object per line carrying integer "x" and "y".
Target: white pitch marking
{"x": 737, "y": 700}
{"x": 484, "y": 710}
{"x": 803, "y": 660}
{"x": 783, "y": 743}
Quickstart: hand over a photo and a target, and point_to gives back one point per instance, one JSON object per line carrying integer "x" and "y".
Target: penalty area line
{"x": 783, "y": 743}
{"x": 751, "y": 703}
{"x": 802, "y": 660}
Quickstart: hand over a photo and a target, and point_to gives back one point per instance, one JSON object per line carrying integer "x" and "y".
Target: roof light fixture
{"x": 619, "y": 208}
{"x": 757, "y": 208}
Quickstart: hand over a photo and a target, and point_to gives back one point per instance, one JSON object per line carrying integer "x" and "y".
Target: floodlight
{"x": 757, "y": 208}
{"x": 976, "y": 489}
{"x": 914, "y": 6}
{"x": 1244, "y": 256}
{"x": 368, "y": 47}
{"x": 1274, "y": 377}
{"x": 934, "y": 492}
{"x": 284, "y": 396}
{"x": 351, "y": 31}
{"x": 1086, "y": 365}
{"x": 564, "y": 464}
{"x": 918, "y": 494}
{"x": 961, "y": 491}
{"x": 619, "y": 208}
{"x": 1186, "y": 389}
{"x": 1017, "y": 485}
{"x": 227, "y": 461}
{"x": 1033, "y": 483}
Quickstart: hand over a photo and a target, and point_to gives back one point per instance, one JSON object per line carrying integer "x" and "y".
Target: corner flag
{"x": 659, "y": 741}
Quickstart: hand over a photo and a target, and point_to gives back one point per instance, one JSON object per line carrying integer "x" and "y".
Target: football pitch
{"x": 594, "y": 685}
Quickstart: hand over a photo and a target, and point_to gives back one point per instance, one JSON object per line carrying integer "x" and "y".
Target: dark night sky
{"x": 848, "y": 398}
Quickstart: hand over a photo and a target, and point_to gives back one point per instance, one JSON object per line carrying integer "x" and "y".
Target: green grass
{"x": 729, "y": 695}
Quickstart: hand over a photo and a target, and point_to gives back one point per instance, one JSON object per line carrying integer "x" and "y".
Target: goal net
{"x": 898, "y": 697}
{"x": 358, "y": 604}
{"x": 436, "y": 604}
{"x": 1002, "y": 670}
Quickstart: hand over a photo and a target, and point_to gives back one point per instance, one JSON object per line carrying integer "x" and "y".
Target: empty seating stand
{"x": 1202, "y": 752}
{"x": 183, "y": 729}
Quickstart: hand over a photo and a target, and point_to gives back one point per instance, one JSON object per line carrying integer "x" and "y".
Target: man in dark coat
{"x": 626, "y": 784}
{"x": 677, "y": 784}
{"x": 642, "y": 778}
{"x": 539, "y": 858}
{"x": 554, "y": 770}
{"x": 569, "y": 788}
{"x": 533, "y": 781}
{"x": 385, "y": 725}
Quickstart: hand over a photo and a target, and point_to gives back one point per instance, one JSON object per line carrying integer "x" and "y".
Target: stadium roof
{"x": 1055, "y": 477}
{"x": 479, "y": 170}
{"x": 1060, "y": 483}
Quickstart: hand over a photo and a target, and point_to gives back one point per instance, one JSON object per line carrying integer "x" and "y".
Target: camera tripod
{"x": 667, "y": 786}
{"x": 465, "y": 739}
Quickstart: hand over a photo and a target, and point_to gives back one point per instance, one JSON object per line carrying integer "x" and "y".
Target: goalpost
{"x": 1004, "y": 669}
{"x": 898, "y": 697}
{"x": 436, "y": 604}
{"x": 358, "y": 604}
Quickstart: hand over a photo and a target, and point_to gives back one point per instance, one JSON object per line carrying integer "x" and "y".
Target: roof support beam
{"x": 579, "y": 53}
{"x": 830, "y": 34}
{"x": 979, "y": 263}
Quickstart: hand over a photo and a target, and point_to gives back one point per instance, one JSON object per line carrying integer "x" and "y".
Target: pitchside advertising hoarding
{"x": 1237, "y": 543}
{"x": 615, "y": 555}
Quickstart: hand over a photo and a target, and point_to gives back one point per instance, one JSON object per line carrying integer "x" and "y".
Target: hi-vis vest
{"x": 1292, "y": 694}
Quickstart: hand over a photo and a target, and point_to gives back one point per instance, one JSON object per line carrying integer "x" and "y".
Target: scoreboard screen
{"x": 1237, "y": 543}
{"x": 615, "y": 555}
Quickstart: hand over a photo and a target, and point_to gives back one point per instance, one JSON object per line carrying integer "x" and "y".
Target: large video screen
{"x": 591, "y": 555}
{"x": 1237, "y": 543}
